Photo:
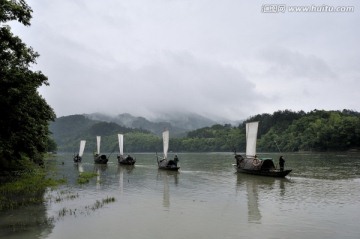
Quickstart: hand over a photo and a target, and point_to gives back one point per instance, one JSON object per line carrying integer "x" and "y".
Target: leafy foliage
{"x": 25, "y": 114}
{"x": 215, "y": 138}
{"x": 317, "y": 130}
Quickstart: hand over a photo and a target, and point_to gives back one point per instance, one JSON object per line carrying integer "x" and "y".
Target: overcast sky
{"x": 216, "y": 58}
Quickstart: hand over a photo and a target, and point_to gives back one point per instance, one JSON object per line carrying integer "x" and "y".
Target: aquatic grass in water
{"x": 63, "y": 212}
{"x": 85, "y": 177}
{"x": 99, "y": 204}
{"x": 63, "y": 195}
{"x": 26, "y": 188}
{"x": 74, "y": 212}
{"x": 33, "y": 186}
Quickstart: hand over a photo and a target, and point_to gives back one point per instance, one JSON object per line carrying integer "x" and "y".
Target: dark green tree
{"x": 25, "y": 115}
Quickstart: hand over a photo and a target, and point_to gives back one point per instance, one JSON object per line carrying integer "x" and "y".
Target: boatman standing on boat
{"x": 281, "y": 163}
{"x": 176, "y": 159}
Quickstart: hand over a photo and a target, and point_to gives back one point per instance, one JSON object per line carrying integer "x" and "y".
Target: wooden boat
{"x": 78, "y": 157}
{"x": 128, "y": 160}
{"x": 99, "y": 158}
{"x": 164, "y": 163}
{"x": 251, "y": 164}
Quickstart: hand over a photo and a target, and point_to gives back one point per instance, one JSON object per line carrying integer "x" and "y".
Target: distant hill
{"x": 285, "y": 131}
{"x": 178, "y": 124}
{"x": 73, "y": 126}
{"x": 69, "y": 130}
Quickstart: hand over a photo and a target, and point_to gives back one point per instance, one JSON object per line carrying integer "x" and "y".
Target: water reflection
{"x": 26, "y": 222}
{"x": 120, "y": 172}
{"x": 126, "y": 168}
{"x": 253, "y": 185}
{"x": 166, "y": 176}
{"x": 99, "y": 169}
{"x": 79, "y": 167}
{"x": 254, "y": 214}
{"x": 282, "y": 187}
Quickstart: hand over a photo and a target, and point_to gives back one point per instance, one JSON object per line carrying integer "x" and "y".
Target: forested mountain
{"x": 178, "y": 124}
{"x": 69, "y": 130}
{"x": 317, "y": 130}
{"x": 286, "y": 130}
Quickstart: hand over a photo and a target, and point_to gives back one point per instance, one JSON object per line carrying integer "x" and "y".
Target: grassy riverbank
{"x": 27, "y": 185}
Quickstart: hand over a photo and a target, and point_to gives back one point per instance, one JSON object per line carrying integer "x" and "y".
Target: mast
{"x": 165, "y": 142}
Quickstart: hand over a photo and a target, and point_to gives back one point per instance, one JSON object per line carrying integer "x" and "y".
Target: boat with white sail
{"x": 165, "y": 163}
{"x": 128, "y": 160}
{"x": 78, "y": 157}
{"x": 251, "y": 164}
{"x": 99, "y": 158}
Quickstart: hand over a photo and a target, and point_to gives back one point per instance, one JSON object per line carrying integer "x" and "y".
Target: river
{"x": 205, "y": 199}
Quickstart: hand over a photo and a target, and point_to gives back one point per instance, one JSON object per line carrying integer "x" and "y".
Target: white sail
{"x": 121, "y": 143}
{"x": 82, "y": 147}
{"x": 251, "y": 136}
{"x": 165, "y": 142}
{"x": 98, "y": 139}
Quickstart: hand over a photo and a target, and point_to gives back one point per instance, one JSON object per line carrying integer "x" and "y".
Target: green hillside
{"x": 290, "y": 131}
{"x": 68, "y": 131}
{"x": 286, "y": 130}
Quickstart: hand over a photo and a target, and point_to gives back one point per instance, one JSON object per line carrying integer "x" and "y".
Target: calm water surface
{"x": 205, "y": 199}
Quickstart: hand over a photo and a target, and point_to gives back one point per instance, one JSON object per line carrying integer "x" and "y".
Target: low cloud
{"x": 295, "y": 65}
{"x": 219, "y": 59}
{"x": 178, "y": 83}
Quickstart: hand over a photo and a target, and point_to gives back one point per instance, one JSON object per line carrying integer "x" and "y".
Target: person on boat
{"x": 238, "y": 158}
{"x": 173, "y": 162}
{"x": 256, "y": 159}
{"x": 176, "y": 159}
{"x": 281, "y": 163}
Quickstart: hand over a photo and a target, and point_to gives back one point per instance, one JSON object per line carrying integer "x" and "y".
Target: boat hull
{"x": 271, "y": 173}
{"x": 170, "y": 165}
{"x": 169, "y": 168}
{"x": 126, "y": 161}
{"x": 77, "y": 159}
{"x": 100, "y": 159}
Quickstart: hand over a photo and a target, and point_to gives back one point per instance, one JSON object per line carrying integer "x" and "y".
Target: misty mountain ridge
{"x": 177, "y": 123}
{"x": 68, "y": 130}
